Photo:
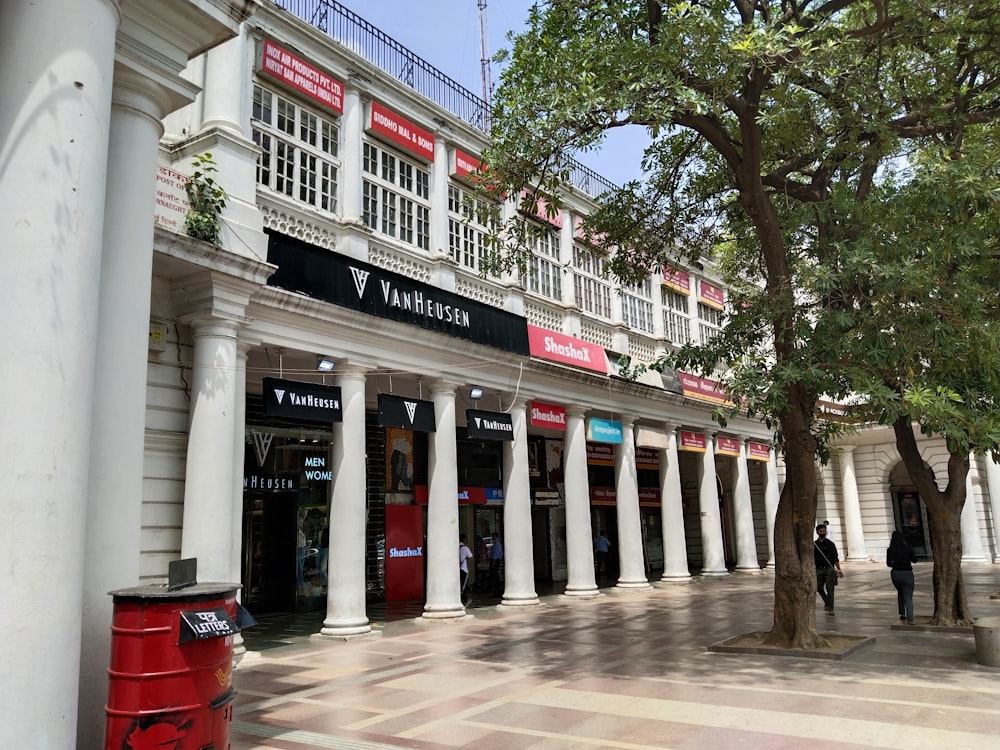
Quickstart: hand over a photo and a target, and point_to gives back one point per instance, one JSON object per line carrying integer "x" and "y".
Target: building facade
{"x": 319, "y": 406}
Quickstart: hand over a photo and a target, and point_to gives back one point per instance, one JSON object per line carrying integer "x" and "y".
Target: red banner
{"x": 601, "y": 454}
{"x": 464, "y": 165}
{"x": 404, "y": 553}
{"x": 283, "y": 66}
{"x": 558, "y": 347}
{"x": 603, "y": 495}
{"x": 712, "y": 295}
{"x": 548, "y": 416}
{"x": 692, "y": 441}
{"x": 676, "y": 279}
{"x": 542, "y": 210}
{"x": 397, "y": 129}
{"x": 727, "y": 446}
{"x": 647, "y": 458}
{"x": 702, "y": 388}
{"x": 758, "y": 451}
{"x": 649, "y": 497}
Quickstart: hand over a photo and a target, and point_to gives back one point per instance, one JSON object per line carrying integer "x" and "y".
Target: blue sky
{"x": 445, "y": 33}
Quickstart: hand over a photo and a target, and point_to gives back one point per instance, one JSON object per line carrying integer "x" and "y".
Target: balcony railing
{"x": 385, "y": 53}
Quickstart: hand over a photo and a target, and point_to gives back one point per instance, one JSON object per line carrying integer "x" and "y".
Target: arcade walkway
{"x": 628, "y": 670}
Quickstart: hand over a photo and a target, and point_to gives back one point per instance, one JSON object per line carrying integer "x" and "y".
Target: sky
{"x": 445, "y": 33}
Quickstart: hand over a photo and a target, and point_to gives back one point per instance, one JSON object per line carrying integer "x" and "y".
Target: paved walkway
{"x": 630, "y": 670}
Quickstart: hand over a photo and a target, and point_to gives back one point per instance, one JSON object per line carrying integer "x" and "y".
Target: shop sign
{"x": 404, "y": 553}
{"x": 604, "y": 430}
{"x": 702, "y": 389}
{"x": 711, "y": 295}
{"x": 335, "y": 278}
{"x": 396, "y": 129}
{"x": 306, "y": 402}
{"x": 547, "y": 498}
{"x": 285, "y": 481}
{"x": 286, "y": 68}
{"x": 465, "y": 496}
{"x": 758, "y": 451}
{"x": 692, "y": 441}
{"x": 315, "y": 469}
{"x": 647, "y": 458}
{"x": 600, "y": 454}
{"x": 406, "y": 413}
{"x": 558, "y": 347}
{"x": 548, "y": 416}
{"x": 671, "y": 381}
{"x": 550, "y": 214}
{"x": 649, "y": 497}
{"x": 171, "y": 206}
{"x": 494, "y": 495}
{"x": 603, "y": 495}
{"x": 464, "y": 165}
{"x": 676, "y": 279}
{"x": 727, "y": 446}
{"x": 489, "y": 425}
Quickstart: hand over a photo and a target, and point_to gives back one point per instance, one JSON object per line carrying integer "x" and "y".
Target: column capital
{"x": 443, "y": 385}
{"x": 576, "y": 410}
{"x": 847, "y": 449}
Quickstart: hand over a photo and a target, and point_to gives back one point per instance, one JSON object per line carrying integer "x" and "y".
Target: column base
{"x": 530, "y": 600}
{"x": 633, "y": 585}
{"x": 753, "y": 570}
{"x": 676, "y": 578}
{"x": 857, "y": 559}
{"x": 337, "y": 634}
{"x": 443, "y": 612}
{"x": 582, "y": 592}
{"x": 714, "y": 573}
{"x": 344, "y": 628}
{"x": 974, "y": 558}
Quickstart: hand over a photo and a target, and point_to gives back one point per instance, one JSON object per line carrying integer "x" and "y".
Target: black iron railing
{"x": 385, "y": 53}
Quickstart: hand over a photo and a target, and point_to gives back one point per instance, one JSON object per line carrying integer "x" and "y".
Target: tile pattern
{"x": 625, "y": 670}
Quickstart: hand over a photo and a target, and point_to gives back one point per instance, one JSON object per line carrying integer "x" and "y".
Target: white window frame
{"x": 471, "y": 220}
{"x": 637, "y": 306}
{"x": 395, "y": 195}
{"x": 592, "y": 290}
{"x": 543, "y": 275}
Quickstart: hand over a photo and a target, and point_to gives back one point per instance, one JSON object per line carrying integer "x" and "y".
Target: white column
{"x": 119, "y": 403}
{"x": 439, "y": 197}
{"x": 972, "y": 543}
{"x": 713, "y": 551}
{"x": 772, "y": 493}
{"x": 56, "y": 94}
{"x": 239, "y": 455}
{"x": 519, "y": 562}
{"x": 209, "y": 476}
{"x": 346, "y": 614}
{"x": 444, "y": 597}
{"x": 993, "y": 487}
{"x": 579, "y": 535}
{"x": 675, "y": 566}
{"x": 746, "y": 539}
{"x": 856, "y": 551}
{"x": 631, "y": 560}
{"x": 225, "y": 87}
{"x": 350, "y": 184}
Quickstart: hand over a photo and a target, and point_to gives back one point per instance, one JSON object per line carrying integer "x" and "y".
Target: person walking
{"x": 900, "y": 557}
{"x": 602, "y": 545}
{"x": 464, "y": 555}
{"x": 827, "y": 567}
{"x": 496, "y": 558}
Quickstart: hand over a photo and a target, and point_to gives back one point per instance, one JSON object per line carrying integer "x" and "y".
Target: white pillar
{"x": 346, "y": 614}
{"x": 856, "y": 551}
{"x": 444, "y": 596}
{"x": 631, "y": 560}
{"x": 57, "y": 62}
{"x": 972, "y": 544}
{"x": 209, "y": 476}
{"x": 350, "y": 185}
{"x": 439, "y": 197}
{"x": 772, "y": 494}
{"x": 119, "y": 417}
{"x": 746, "y": 539}
{"x": 519, "y": 562}
{"x": 713, "y": 551}
{"x": 226, "y": 94}
{"x": 675, "y": 566}
{"x": 579, "y": 535}
{"x": 239, "y": 456}
{"x": 993, "y": 487}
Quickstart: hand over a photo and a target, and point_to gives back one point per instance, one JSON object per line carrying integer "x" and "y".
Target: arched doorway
{"x": 909, "y": 513}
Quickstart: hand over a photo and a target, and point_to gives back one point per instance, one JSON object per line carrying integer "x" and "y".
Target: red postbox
{"x": 170, "y": 683}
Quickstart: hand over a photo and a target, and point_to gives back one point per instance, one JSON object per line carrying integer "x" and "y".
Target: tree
{"x": 773, "y": 125}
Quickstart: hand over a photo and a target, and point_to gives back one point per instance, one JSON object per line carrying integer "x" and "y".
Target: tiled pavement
{"x": 626, "y": 670}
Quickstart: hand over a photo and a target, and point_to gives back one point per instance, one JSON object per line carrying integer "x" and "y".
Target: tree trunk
{"x": 795, "y": 569}
{"x": 944, "y": 510}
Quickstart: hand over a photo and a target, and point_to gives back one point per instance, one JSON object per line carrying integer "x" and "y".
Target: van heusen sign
{"x": 340, "y": 280}
{"x": 307, "y": 402}
{"x": 406, "y": 413}
{"x": 489, "y": 425}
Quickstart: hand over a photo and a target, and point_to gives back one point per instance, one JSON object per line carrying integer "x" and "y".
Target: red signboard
{"x": 397, "y": 129}
{"x": 727, "y": 446}
{"x": 758, "y": 451}
{"x": 603, "y": 495}
{"x": 466, "y": 495}
{"x": 548, "y": 416}
{"x": 649, "y": 497}
{"x": 601, "y": 454}
{"x": 676, "y": 279}
{"x": 558, "y": 347}
{"x": 701, "y": 388}
{"x": 692, "y": 441}
{"x": 647, "y": 458}
{"x": 404, "y": 553}
{"x": 712, "y": 295}
{"x": 282, "y": 65}
{"x": 542, "y": 211}
{"x": 464, "y": 165}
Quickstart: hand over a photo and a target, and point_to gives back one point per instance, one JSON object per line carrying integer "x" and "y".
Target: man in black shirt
{"x": 827, "y": 567}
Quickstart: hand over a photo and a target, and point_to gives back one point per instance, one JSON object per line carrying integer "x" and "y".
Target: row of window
{"x": 300, "y": 158}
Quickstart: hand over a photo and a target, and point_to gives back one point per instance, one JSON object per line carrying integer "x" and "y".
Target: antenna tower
{"x": 484, "y": 63}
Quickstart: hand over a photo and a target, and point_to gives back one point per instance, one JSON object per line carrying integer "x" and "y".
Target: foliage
{"x": 207, "y": 200}
{"x": 787, "y": 139}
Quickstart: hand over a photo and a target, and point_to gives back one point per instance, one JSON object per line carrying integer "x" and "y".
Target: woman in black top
{"x": 900, "y": 557}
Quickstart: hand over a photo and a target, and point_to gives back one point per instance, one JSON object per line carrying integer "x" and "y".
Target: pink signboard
{"x": 548, "y": 416}
{"x": 758, "y": 451}
{"x": 283, "y": 66}
{"x": 542, "y": 209}
{"x": 727, "y": 446}
{"x": 692, "y": 441}
{"x": 404, "y": 553}
{"x": 558, "y": 347}
{"x": 701, "y": 388}
{"x": 676, "y": 279}
{"x": 712, "y": 295}
{"x": 400, "y": 131}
